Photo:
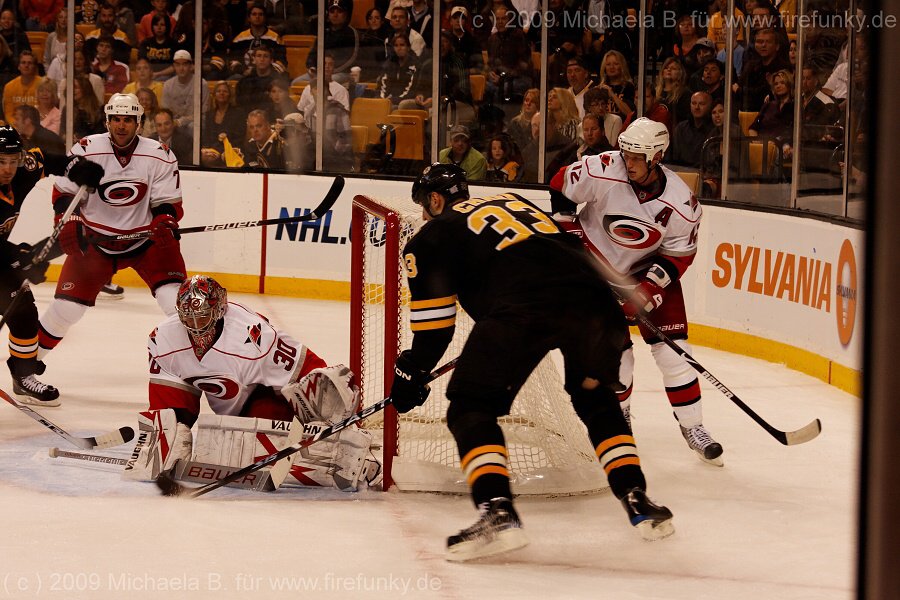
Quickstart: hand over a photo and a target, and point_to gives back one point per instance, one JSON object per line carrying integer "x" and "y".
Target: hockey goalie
{"x": 266, "y": 391}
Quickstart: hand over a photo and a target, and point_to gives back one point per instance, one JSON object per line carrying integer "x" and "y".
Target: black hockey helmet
{"x": 11, "y": 143}
{"x": 447, "y": 179}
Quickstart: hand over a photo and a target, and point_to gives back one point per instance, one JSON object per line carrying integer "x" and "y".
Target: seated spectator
{"x": 253, "y": 90}
{"x": 510, "y": 69}
{"x": 48, "y": 105}
{"x": 27, "y": 121}
{"x": 776, "y": 117}
{"x": 672, "y": 90}
{"x": 501, "y": 164}
{"x": 454, "y": 84}
{"x": 143, "y": 78}
{"x": 597, "y": 101}
{"x": 595, "y": 140}
{"x": 400, "y": 24}
{"x": 115, "y": 74}
{"x": 223, "y": 119}
{"x": 653, "y": 110}
{"x": 215, "y": 37}
{"x": 579, "y": 81}
{"x": 562, "y": 113}
{"x": 145, "y": 28}
{"x": 285, "y": 17}
{"x": 556, "y": 146}
{"x": 690, "y": 134}
{"x": 181, "y": 144}
{"x": 125, "y": 19}
{"x": 715, "y": 29}
{"x": 421, "y": 20}
{"x": 22, "y": 89}
{"x": 12, "y": 33}
{"x": 178, "y": 92}
{"x": 461, "y": 153}
{"x": 760, "y": 63}
{"x": 464, "y": 42}
{"x": 686, "y": 36}
{"x": 40, "y": 16}
{"x": 264, "y": 148}
{"x": 337, "y": 141}
{"x": 520, "y": 125}
{"x": 57, "y": 69}
{"x": 614, "y": 74}
{"x": 819, "y": 109}
{"x": 556, "y": 63}
{"x": 150, "y": 102}
{"x": 55, "y": 45}
{"x": 244, "y": 44}
{"x": 280, "y": 97}
{"x": 81, "y": 68}
{"x": 712, "y": 80}
{"x": 88, "y": 117}
{"x": 371, "y": 45}
{"x": 159, "y": 49}
{"x": 341, "y": 41}
{"x": 401, "y": 77}
{"x": 107, "y": 26}
{"x": 702, "y": 52}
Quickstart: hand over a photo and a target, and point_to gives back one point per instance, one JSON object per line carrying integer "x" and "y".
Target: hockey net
{"x": 549, "y": 450}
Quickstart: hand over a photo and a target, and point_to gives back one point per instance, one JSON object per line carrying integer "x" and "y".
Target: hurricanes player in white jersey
{"x": 255, "y": 379}
{"x": 141, "y": 190}
{"x": 640, "y": 219}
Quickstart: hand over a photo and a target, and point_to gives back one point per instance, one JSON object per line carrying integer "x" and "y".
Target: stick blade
{"x": 804, "y": 434}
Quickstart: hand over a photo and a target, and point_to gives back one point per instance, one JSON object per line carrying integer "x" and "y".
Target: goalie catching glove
{"x": 325, "y": 394}
{"x": 410, "y": 387}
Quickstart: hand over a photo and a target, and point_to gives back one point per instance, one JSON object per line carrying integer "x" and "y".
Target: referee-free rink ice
{"x": 775, "y": 523}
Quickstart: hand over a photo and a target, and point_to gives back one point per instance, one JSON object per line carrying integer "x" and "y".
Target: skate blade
{"x": 506, "y": 541}
{"x": 26, "y": 399}
{"x": 716, "y": 462}
{"x": 655, "y": 530}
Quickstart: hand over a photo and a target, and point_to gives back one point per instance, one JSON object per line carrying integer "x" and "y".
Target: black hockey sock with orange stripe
{"x": 483, "y": 455}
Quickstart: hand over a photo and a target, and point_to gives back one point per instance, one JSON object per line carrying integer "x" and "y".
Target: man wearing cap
{"x": 464, "y": 42}
{"x": 579, "y": 81}
{"x": 703, "y": 51}
{"x": 461, "y": 153}
{"x": 178, "y": 92}
{"x": 341, "y": 41}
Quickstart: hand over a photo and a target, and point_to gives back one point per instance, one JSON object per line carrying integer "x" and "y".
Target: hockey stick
{"x": 170, "y": 487}
{"x": 620, "y": 286}
{"x": 47, "y": 248}
{"x": 318, "y": 212}
{"x": 114, "y": 438}
{"x": 95, "y": 458}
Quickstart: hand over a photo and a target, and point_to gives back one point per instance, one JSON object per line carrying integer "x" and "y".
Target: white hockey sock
{"x": 59, "y": 316}
{"x": 167, "y": 297}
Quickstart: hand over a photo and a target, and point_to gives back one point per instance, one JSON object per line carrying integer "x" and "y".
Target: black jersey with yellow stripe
{"x": 33, "y": 169}
{"x": 499, "y": 253}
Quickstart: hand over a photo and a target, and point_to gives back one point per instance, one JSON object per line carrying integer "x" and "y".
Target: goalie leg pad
{"x": 324, "y": 394}
{"x": 161, "y": 441}
{"x": 343, "y": 461}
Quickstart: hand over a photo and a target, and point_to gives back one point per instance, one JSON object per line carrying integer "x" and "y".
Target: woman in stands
{"x": 223, "y": 119}
{"x": 615, "y": 76}
{"x": 150, "y": 102}
{"x": 520, "y": 126}
{"x": 501, "y": 164}
{"x": 48, "y": 105}
{"x": 88, "y": 118}
{"x": 776, "y": 117}
{"x": 401, "y": 74}
{"x": 672, "y": 90}
{"x": 159, "y": 50}
{"x": 563, "y": 113}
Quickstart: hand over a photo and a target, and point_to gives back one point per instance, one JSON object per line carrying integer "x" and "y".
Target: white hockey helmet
{"x": 646, "y": 137}
{"x": 124, "y": 104}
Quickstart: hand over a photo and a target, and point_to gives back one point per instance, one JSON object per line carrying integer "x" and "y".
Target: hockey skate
{"x": 112, "y": 291}
{"x": 31, "y": 391}
{"x": 498, "y": 530}
{"x": 699, "y": 440}
{"x": 652, "y": 521}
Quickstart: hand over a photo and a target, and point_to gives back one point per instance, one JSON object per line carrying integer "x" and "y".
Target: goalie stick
{"x": 118, "y": 437}
{"x": 317, "y": 213}
{"x": 44, "y": 253}
{"x": 169, "y": 487}
{"x": 620, "y": 285}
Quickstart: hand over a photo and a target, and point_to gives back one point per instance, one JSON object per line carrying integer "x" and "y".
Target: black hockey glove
{"x": 410, "y": 388}
{"x": 23, "y": 269}
{"x": 82, "y": 171}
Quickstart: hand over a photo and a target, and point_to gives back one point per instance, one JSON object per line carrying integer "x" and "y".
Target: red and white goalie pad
{"x": 325, "y": 394}
{"x": 342, "y": 461}
{"x": 161, "y": 441}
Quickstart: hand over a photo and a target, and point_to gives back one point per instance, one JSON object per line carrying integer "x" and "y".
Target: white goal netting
{"x": 549, "y": 451}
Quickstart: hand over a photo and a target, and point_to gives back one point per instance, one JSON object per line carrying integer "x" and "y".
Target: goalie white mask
{"x": 201, "y": 304}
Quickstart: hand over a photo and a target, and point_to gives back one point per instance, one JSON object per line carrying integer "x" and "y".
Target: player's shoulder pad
{"x": 34, "y": 160}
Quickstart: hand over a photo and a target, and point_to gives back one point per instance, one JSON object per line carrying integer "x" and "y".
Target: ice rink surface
{"x": 776, "y": 522}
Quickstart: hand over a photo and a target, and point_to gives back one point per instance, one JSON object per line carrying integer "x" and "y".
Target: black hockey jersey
{"x": 494, "y": 254}
{"x": 11, "y": 198}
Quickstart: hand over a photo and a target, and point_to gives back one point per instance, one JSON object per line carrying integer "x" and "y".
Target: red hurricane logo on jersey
{"x": 217, "y": 387}
{"x": 254, "y": 333}
{"x": 631, "y": 232}
{"x": 122, "y": 192}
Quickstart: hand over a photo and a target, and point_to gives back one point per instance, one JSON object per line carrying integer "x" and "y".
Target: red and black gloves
{"x": 71, "y": 238}
{"x": 643, "y": 298}
{"x": 165, "y": 230}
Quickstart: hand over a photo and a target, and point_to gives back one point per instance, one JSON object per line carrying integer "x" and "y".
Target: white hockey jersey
{"x": 129, "y": 188}
{"x": 249, "y": 352}
{"x": 626, "y": 229}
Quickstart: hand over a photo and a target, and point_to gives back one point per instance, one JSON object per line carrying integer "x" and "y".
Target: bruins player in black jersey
{"x": 20, "y": 170}
{"x": 530, "y": 288}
